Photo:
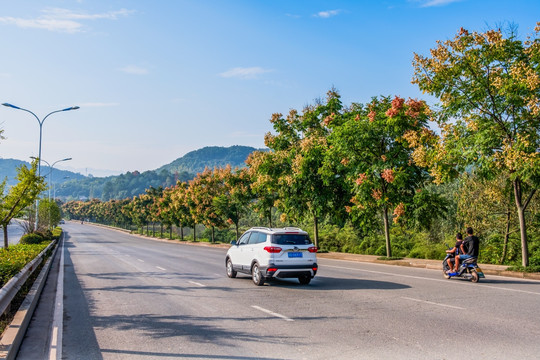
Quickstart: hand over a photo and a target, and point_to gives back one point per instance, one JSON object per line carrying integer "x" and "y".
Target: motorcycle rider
{"x": 456, "y": 251}
{"x": 470, "y": 248}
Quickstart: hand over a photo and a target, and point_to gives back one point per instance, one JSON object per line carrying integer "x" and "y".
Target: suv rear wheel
{"x": 256, "y": 275}
{"x": 230, "y": 270}
{"x": 304, "y": 280}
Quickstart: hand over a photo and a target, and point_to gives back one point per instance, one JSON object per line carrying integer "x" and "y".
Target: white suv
{"x": 273, "y": 253}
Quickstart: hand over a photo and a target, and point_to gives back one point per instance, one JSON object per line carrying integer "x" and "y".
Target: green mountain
{"x": 8, "y": 169}
{"x": 134, "y": 183}
{"x": 211, "y": 156}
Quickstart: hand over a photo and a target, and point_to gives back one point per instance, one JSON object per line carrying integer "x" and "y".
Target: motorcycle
{"x": 468, "y": 269}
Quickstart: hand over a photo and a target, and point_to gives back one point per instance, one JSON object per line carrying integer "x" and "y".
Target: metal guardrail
{"x": 12, "y": 287}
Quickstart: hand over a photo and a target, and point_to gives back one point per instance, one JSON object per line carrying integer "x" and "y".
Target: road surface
{"x": 127, "y": 297}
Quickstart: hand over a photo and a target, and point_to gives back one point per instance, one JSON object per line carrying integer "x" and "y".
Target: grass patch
{"x": 385, "y": 258}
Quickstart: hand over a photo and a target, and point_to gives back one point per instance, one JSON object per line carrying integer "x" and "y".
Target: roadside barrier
{"x": 14, "y": 333}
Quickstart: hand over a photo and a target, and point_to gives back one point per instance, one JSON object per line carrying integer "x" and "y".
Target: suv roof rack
{"x": 261, "y": 227}
{"x": 292, "y": 228}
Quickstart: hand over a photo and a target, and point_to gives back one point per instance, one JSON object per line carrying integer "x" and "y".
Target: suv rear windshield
{"x": 291, "y": 239}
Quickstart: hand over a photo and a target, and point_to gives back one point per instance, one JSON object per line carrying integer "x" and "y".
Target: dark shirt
{"x": 471, "y": 245}
{"x": 458, "y": 246}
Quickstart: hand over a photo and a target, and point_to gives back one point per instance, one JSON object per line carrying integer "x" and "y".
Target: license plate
{"x": 295, "y": 254}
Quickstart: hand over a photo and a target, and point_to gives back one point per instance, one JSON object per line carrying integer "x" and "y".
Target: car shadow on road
{"x": 331, "y": 283}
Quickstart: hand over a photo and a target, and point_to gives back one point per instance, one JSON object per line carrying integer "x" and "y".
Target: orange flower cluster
{"x": 361, "y": 178}
{"x": 371, "y": 116}
{"x": 388, "y": 175}
{"x": 345, "y": 161}
{"x": 398, "y": 212}
{"x": 415, "y": 108}
{"x": 377, "y": 194}
{"x": 397, "y": 105}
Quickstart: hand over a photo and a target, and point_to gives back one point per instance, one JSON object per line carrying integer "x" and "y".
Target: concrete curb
{"x": 13, "y": 335}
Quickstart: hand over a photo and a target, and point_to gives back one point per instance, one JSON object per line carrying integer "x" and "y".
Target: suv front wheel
{"x": 230, "y": 270}
{"x": 256, "y": 275}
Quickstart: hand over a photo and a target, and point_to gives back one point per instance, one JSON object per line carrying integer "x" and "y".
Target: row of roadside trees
{"x": 382, "y": 165}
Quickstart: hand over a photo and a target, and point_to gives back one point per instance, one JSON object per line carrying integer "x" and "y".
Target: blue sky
{"x": 157, "y": 79}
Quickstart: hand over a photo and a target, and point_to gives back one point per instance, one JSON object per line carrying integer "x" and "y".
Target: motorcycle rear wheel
{"x": 474, "y": 276}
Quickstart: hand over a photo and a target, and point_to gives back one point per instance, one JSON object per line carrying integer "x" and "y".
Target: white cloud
{"x": 431, "y": 3}
{"x": 134, "y": 69}
{"x": 244, "y": 72}
{"x": 61, "y": 20}
{"x": 326, "y": 14}
{"x": 68, "y": 26}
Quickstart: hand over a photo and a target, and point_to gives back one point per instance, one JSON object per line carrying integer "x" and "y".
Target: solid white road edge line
{"x": 160, "y": 268}
{"x": 55, "y": 350}
{"x": 196, "y": 283}
{"x": 272, "y": 313}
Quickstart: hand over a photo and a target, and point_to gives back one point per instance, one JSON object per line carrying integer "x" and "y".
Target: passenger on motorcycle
{"x": 455, "y": 250}
{"x": 470, "y": 248}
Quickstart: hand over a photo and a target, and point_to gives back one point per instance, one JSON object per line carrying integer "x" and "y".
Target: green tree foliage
{"x": 18, "y": 197}
{"x": 489, "y": 85}
{"x": 371, "y": 141}
{"x": 231, "y": 204}
{"x": 298, "y": 150}
{"x": 49, "y": 213}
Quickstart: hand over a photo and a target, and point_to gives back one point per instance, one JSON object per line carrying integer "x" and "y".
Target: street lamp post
{"x": 40, "y": 122}
{"x": 51, "y": 170}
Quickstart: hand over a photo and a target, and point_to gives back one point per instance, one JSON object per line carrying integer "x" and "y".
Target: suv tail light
{"x": 312, "y": 249}
{"x": 272, "y": 249}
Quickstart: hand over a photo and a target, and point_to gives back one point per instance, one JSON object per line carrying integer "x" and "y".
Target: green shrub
{"x": 14, "y": 258}
{"x": 32, "y": 238}
{"x": 57, "y": 232}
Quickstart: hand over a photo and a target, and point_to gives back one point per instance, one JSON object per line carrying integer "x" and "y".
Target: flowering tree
{"x": 235, "y": 196}
{"x": 263, "y": 182}
{"x": 19, "y": 196}
{"x": 180, "y": 207}
{"x": 201, "y": 193}
{"x": 298, "y": 153}
{"x": 489, "y": 86}
{"x": 371, "y": 142}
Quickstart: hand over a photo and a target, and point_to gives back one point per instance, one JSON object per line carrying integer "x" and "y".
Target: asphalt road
{"x": 15, "y": 231}
{"x": 126, "y": 297}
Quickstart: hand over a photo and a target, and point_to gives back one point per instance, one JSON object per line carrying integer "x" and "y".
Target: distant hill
{"x": 8, "y": 168}
{"x": 134, "y": 183}
{"x": 211, "y": 156}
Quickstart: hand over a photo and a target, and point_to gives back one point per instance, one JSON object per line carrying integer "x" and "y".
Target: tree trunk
{"x": 270, "y": 217}
{"x": 213, "y": 235}
{"x": 316, "y": 231}
{"x": 194, "y": 232}
{"x": 506, "y": 236}
{"x": 181, "y": 233}
{"x": 521, "y": 216}
{"x": 170, "y": 232}
{"x": 6, "y": 242}
{"x": 237, "y": 230}
{"x": 387, "y": 232}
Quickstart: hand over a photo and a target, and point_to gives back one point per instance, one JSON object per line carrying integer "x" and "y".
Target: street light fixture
{"x": 40, "y": 136}
{"x": 50, "y": 171}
